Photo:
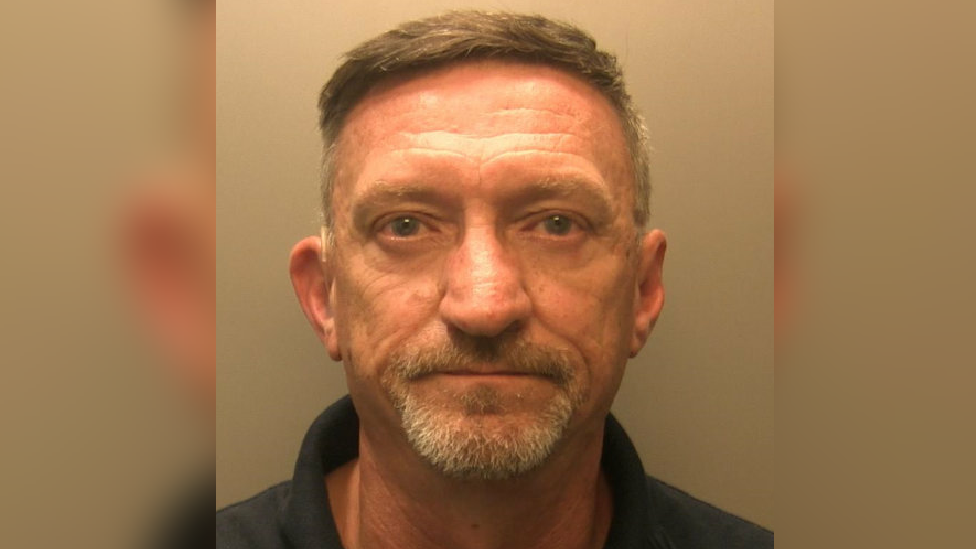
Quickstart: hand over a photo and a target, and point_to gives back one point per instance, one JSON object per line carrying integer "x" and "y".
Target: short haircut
{"x": 471, "y": 35}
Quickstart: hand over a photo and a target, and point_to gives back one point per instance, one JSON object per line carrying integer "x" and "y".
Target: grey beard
{"x": 455, "y": 440}
{"x": 455, "y": 446}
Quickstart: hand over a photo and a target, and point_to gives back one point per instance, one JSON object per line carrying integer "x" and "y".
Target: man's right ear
{"x": 311, "y": 268}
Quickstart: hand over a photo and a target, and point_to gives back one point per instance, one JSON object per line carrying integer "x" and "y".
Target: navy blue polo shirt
{"x": 647, "y": 513}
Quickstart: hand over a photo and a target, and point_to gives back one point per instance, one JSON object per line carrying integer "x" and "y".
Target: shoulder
{"x": 254, "y": 522}
{"x": 690, "y": 522}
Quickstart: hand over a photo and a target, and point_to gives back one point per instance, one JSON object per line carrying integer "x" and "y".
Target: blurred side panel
{"x": 94, "y": 436}
{"x": 875, "y": 381}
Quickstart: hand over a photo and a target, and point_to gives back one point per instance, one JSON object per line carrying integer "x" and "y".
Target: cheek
{"x": 590, "y": 301}
{"x": 592, "y": 310}
{"x": 378, "y": 311}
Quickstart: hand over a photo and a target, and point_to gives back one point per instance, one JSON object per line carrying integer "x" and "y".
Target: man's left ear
{"x": 649, "y": 293}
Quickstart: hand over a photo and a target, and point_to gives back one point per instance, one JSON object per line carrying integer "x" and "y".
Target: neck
{"x": 383, "y": 503}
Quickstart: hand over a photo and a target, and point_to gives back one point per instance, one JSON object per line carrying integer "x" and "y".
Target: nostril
{"x": 483, "y": 316}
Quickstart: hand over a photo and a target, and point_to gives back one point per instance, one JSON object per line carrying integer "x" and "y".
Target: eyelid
{"x": 383, "y": 222}
{"x": 534, "y": 219}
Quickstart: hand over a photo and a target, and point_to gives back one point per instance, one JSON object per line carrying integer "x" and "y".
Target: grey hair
{"x": 472, "y": 35}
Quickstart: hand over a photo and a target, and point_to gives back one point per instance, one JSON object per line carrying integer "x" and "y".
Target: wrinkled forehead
{"x": 477, "y": 102}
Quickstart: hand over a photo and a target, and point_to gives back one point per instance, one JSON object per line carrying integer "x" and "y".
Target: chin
{"x": 484, "y": 433}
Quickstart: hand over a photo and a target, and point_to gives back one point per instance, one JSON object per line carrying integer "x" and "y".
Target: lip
{"x": 485, "y": 374}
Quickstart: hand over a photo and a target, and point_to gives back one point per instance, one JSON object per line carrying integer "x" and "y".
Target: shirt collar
{"x": 333, "y": 440}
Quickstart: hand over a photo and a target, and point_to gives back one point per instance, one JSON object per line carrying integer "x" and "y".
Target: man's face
{"x": 486, "y": 274}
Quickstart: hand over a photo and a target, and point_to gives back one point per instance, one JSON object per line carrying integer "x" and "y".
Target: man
{"x": 484, "y": 272}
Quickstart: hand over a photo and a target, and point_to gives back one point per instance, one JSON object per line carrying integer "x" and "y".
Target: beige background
{"x": 97, "y": 441}
{"x": 698, "y": 401}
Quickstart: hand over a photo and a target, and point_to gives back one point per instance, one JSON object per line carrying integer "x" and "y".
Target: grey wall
{"x": 698, "y": 401}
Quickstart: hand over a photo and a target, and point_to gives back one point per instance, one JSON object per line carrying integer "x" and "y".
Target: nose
{"x": 484, "y": 294}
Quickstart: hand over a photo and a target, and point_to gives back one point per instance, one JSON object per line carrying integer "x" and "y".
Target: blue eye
{"x": 558, "y": 224}
{"x": 404, "y": 226}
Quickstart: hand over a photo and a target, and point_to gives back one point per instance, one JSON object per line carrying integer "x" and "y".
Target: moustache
{"x": 483, "y": 355}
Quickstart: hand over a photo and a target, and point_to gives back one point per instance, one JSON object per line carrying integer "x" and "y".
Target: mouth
{"x": 474, "y": 376}
{"x": 485, "y": 373}
{"x": 489, "y": 371}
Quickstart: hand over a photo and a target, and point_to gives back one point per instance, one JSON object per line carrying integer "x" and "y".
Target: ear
{"x": 649, "y": 293}
{"x": 312, "y": 276}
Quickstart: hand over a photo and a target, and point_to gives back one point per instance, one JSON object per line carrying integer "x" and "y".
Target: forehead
{"x": 486, "y": 108}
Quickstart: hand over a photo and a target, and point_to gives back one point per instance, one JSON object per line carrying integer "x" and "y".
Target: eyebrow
{"x": 564, "y": 187}
{"x": 383, "y": 192}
